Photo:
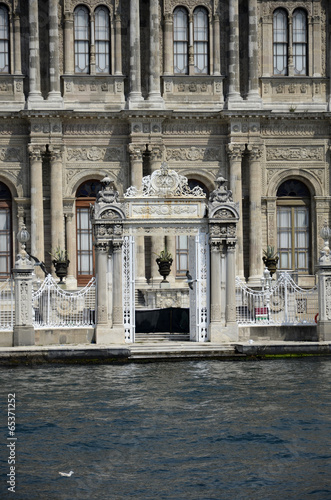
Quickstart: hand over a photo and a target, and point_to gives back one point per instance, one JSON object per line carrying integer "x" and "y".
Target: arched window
{"x": 293, "y": 226}
{"x": 102, "y": 40}
{"x": 5, "y": 232}
{"x": 300, "y": 42}
{"x": 181, "y": 41}
{"x": 201, "y": 56}
{"x": 280, "y": 42}
{"x": 86, "y": 194}
{"x": 4, "y": 40}
{"x": 82, "y": 40}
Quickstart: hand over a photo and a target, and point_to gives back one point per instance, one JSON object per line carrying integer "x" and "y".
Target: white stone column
{"x": 235, "y": 153}
{"x": 168, "y": 56}
{"x": 253, "y": 54}
{"x": 102, "y": 322}
{"x": 317, "y": 37}
{"x": 255, "y": 216}
{"x": 57, "y": 217}
{"x": 34, "y": 54}
{"x": 217, "y": 45}
{"x": 234, "y": 68}
{"x": 135, "y": 95}
{"x": 17, "y": 44}
{"x": 71, "y": 280}
{"x": 267, "y": 46}
{"x": 231, "y": 289}
{"x": 37, "y": 207}
{"x": 118, "y": 45}
{"x": 154, "y": 91}
{"x": 136, "y": 163}
{"x": 69, "y": 43}
{"x": 215, "y": 283}
{"x": 54, "y": 65}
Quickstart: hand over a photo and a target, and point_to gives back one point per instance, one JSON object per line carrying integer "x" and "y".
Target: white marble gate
{"x": 164, "y": 206}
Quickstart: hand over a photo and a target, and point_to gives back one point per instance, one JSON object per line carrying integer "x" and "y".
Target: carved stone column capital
{"x": 235, "y": 151}
{"x": 56, "y": 152}
{"x": 36, "y": 152}
{"x": 255, "y": 151}
{"x": 136, "y": 151}
{"x": 101, "y": 247}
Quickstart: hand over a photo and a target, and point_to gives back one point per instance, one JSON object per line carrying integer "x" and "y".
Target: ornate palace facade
{"x": 231, "y": 88}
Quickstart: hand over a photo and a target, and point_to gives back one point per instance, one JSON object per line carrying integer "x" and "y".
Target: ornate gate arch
{"x": 164, "y": 206}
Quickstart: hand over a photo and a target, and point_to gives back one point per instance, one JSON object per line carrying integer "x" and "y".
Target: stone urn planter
{"x": 164, "y": 261}
{"x": 270, "y": 259}
{"x": 61, "y": 263}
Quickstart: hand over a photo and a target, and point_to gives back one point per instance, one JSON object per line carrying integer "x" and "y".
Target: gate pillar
{"x": 223, "y": 219}
{"x": 324, "y": 288}
{"x": 107, "y": 217}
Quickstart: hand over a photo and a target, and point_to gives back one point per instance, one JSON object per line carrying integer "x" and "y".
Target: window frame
{"x": 290, "y": 42}
{"x": 283, "y": 43}
{"x": 304, "y": 45}
{"x": 192, "y": 45}
{"x": 184, "y": 54}
{"x": 5, "y": 40}
{"x": 181, "y": 252}
{"x": 90, "y": 38}
{"x": 294, "y": 203}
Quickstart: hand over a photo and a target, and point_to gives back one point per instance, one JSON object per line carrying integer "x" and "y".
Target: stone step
{"x": 162, "y": 337}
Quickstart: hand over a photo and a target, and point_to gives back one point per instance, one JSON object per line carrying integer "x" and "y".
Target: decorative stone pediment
{"x": 164, "y": 183}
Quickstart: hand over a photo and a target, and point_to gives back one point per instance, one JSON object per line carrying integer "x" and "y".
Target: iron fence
{"x": 277, "y": 303}
{"x": 7, "y": 304}
{"x": 55, "y": 307}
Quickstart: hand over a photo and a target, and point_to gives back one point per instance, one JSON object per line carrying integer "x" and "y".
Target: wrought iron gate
{"x": 199, "y": 294}
{"x": 128, "y": 288}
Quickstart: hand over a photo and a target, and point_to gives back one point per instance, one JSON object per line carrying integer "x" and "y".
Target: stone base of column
{"x": 254, "y": 280}
{"x": 56, "y": 100}
{"x": 253, "y": 101}
{"x": 106, "y": 335}
{"x": 234, "y": 101}
{"x": 324, "y": 331}
{"x": 155, "y": 101}
{"x": 23, "y": 335}
{"x": 34, "y": 99}
{"x": 223, "y": 333}
{"x": 135, "y": 100}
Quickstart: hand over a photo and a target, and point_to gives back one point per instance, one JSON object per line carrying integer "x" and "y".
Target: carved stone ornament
{"x": 164, "y": 182}
{"x": 221, "y": 194}
{"x": 107, "y": 205}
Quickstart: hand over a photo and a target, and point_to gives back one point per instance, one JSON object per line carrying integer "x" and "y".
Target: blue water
{"x": 188, "y": 430}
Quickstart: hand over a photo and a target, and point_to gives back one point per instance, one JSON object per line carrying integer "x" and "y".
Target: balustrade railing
{"x": 7, "y": 305}
{"x": 281, "y": 302}
{"x": 55, "y": 307}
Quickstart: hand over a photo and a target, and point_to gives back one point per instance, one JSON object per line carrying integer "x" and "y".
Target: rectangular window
{"x": 5, "y": 243}
{"x": 293, "y": 238}
{"x": 84, "y": 245}
{"x": 181, "y": 255}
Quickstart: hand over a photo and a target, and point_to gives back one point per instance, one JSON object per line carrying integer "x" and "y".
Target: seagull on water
{"x": 190, "y": 280}
{"x": 66, "y": 474}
